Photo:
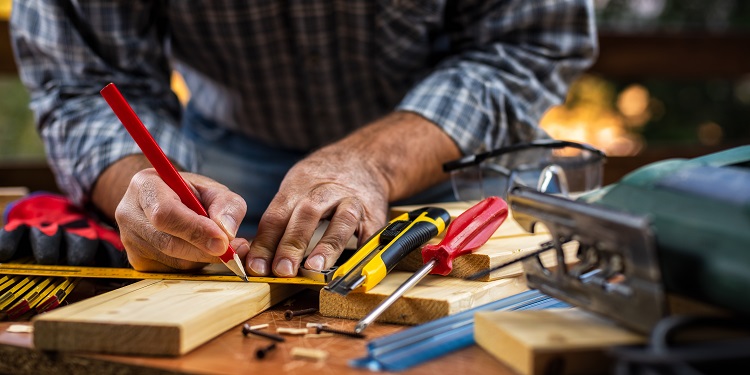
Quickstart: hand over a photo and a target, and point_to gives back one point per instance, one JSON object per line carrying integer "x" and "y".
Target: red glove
{"x": 58, "y": 232}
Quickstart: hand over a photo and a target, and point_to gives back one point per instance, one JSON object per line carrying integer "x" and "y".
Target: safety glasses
{"x": 551, "y": 166}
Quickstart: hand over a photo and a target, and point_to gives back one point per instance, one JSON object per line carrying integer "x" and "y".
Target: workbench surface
{"x": 233, "y": 353}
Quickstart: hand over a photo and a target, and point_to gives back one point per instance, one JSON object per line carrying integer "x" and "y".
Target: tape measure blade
{"x": 127, "y": 273}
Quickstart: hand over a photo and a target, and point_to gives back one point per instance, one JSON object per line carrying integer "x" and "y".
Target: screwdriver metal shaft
{"x": 465, "y": 234}
{"x": 408, "y": 284}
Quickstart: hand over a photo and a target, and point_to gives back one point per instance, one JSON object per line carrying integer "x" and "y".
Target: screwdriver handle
{"x": 466, "y": 233}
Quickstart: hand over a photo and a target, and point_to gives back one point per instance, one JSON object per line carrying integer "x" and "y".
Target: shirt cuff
{"x": 109, "y": 142}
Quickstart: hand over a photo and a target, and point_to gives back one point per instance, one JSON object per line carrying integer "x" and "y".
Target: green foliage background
{"x": 18, "y": 137}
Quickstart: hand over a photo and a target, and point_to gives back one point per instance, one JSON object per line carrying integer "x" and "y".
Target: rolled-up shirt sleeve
{"x": 66, "y": 52}
{"x": 510, "y": 62}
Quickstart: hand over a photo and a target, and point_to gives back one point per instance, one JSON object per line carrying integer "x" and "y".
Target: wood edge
{"x": 505, "y": 348}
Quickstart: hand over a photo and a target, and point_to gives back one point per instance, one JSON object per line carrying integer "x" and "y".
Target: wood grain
{"x": 434, "y": 297}
{"x": 560, "y": 341}
{"x": 495, "y": 252}
{"x": 509, "y": 228}
{"x": 154, "y": 317}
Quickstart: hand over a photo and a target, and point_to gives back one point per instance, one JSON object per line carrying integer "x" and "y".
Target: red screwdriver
{"x": 467, "y": 233}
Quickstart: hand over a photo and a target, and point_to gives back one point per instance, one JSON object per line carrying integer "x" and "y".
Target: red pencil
{"x": 163, "y": 166}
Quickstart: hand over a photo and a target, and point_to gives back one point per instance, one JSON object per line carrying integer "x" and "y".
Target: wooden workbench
{"x": 233, "y": 353}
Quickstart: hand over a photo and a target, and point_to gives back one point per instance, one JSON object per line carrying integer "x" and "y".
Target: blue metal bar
{"x": 419, "y": 344}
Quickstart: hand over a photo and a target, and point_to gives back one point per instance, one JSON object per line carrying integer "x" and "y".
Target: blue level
{"x": 424, "y": 342}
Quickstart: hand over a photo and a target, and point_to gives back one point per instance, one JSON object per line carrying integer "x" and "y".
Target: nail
{"x": 246, "y": 330}
{"x": 259, "y": 266}
{"x": 243, "y": 247}
{"x": 229, "y": 224}
{"x": 216, "y": 245}
{"x": 338, "y": 331}
{"x": 316, "y": 263}
{"x": 289, "y": 314}
{"x": 261, "y": 353}
{"x": 284, "y": 268}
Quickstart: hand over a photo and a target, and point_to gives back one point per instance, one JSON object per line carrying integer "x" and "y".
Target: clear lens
{"x": 564, "y": 171}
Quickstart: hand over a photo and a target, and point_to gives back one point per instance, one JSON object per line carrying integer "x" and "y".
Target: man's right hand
{"x": 159, "y": 232}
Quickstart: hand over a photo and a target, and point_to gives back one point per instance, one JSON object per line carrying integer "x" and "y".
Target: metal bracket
{"x": 617, "y": 274}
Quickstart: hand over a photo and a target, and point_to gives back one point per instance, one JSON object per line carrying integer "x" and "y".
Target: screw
{"x": 289, "y": 314}
{"x": 320, "y": 329}
{"x": 261, "y": 353}
{"x": 247, "y": 330}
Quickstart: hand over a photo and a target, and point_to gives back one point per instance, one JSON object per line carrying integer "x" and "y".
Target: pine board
{"x": 560, "y": 341}
{"x": 509, "y": 228}
{"x": 495, "y": 252}
{"x": 433, "y": 297}
{"x": 154, "y": 317}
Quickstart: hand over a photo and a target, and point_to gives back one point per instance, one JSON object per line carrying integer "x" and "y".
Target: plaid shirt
{"x": 296, "y": 74}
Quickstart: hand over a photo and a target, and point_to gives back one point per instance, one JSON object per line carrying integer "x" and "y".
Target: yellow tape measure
{"x": 127, "y": 273}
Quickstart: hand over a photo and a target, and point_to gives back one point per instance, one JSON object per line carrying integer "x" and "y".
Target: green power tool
{"x": 700, "y": 212}
{"x": 678, "y": 227}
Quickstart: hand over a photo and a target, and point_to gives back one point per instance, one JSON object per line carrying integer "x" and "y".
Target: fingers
{"x": 302, "y": 225}
{"x": 157, "y": 228}
{"x": 224, "y": 207}
{"x": 142, "y": 257}
{"x": 284, "y": 233}
{"x": 270, "y": 230}
{"x": 342, "y": 227}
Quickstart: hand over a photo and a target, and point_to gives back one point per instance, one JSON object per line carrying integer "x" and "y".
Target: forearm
{"x": 405, "y": 150}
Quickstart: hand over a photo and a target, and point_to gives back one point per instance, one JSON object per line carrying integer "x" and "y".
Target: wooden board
{"x": 509, "y": 228}
{"x": 560, "y": 341}
{"x": 8, "y": 195}
{"x": 495, "y": 252}
{"x": 434, "y": 297}
{"x": 154, "y": 317}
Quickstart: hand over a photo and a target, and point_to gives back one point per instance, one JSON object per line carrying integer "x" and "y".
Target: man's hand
{"x": 349, "y": 183}
{"x": 158, "y": 231}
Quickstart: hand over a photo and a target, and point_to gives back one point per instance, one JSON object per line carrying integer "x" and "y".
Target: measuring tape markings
{"x": 127, "y": 273}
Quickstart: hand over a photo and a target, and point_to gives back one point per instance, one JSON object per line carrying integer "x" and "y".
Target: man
{"x": 301, "y": 111}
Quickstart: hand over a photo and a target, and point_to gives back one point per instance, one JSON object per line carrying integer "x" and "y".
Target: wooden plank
{"x": 154, "y": 317}
{"x": 8, "y": 195}
{"x": 495, "y": 252}
{"x": 509, "y": 228}
{"x": 434, "y": 297}
{"x": 559, "y": 341}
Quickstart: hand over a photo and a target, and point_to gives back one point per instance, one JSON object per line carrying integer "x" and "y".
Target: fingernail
{"x": 259, "y": 267}
{"x": 284, "y": 268}
{"x": 229, "y": 224}
{"x": 316, "y": 263}
{"x": 243, "y": 247}
{"x": 216, "y": 245}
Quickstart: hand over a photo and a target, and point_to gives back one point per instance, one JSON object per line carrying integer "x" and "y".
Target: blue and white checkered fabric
{"x": 295, "y": 74}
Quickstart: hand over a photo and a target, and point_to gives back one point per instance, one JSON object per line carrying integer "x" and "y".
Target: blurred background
{"x": 672, "y": 80}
